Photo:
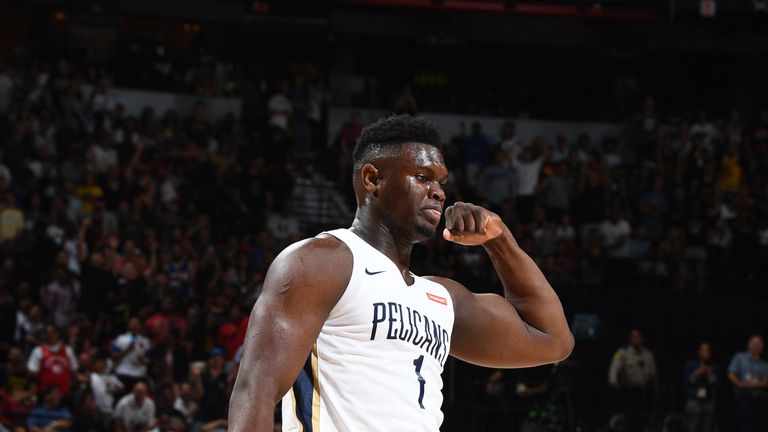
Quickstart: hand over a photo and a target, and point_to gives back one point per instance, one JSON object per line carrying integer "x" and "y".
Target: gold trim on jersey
{"x": 293, "y": 410}
{"x": 315, "y": 391}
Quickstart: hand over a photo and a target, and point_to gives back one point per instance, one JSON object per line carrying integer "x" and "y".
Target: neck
{"x": 383, "y": 238}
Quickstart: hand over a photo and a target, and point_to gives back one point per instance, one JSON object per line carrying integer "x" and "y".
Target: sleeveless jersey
{"x": 55, "y": 369}
{"x": 377, "y": 362}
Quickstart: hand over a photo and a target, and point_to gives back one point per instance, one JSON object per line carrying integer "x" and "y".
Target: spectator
{"x": 53, "y": 361}
{"x": 29, "y": 324}
{"x": 648, "y": 123}
{"x": 528, "y": 167}
{"x": 556, "y": 190}
{"x": 11, "y": 218}
{"x": 748, "y": 373}
{"x": 87, "y": 416}
{"x": 101, "y": 155}
{"x": 104, "y": 386}
{"x": 185, "y": 403}
{"x": 97, "y": 281}
{"x": 565, "y": 230}
{"x": 477, "y": 148}
{"x": 284, "y": 226}
{"x": 509, "y": 143}
{"x": 495, "y": 398}
{"x": 533, "y": 396}
{"x": 280, "y": 107}
{"x": 653, "y": 208}
{"x": 129, "y": 351}
{"x": 348, "y": 135}
{"x": 611, "y": 154}
{"x": 17, "y": 380}
{"x": 198, "y": 129}
{"x": 614, "y": 233}
{"x": 731, "y": 172}
{"x": 181, "y": 270}
{"x": 561, "y": 152}
{"x": 704, "y": 127}
{"x": 170, "y": 358}
{"x": 165, "y": 320}
{"x": 593, "y": 262}
{"x": 11, "y": 410}
{"x": 592, "y": 190}
{"x": 50, "y": 415}
{"x": 168, "y": 417}
{"x": 700, "y": 380}
{"x": 497, "y": 182}
{"x": 211, "y": 387}
{"x": 135, "y": 412}
{"x": 231, "y": 334}
{"x": 61, "y": 296}
{"x": 633, "y": 375}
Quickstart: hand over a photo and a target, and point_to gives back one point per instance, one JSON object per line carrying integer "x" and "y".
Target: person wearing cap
{"x": 633, "y": 375}
{"x": 211, "y": 387}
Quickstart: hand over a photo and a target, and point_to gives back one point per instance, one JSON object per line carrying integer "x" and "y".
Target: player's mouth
{"x": 432, "y": 213}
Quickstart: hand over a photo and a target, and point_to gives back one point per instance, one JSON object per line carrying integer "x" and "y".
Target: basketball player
{"x": 351, "y": 340}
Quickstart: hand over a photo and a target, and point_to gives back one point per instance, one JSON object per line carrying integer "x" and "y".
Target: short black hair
{"x": 393, "y": 131}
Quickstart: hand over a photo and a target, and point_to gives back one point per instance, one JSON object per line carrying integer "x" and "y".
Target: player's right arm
{"x": 301, "y": 288}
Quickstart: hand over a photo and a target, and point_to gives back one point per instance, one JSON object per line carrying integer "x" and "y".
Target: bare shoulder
{"x": 319, "y": 262}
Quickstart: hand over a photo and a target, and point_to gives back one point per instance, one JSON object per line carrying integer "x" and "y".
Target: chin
{"x": 425, "y": 232}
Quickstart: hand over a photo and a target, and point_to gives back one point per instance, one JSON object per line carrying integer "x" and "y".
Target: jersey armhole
{"x": 344, "y": 299}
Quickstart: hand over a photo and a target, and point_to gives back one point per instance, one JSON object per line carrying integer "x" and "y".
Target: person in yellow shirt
{"x": 730, "y": 172}
{"x": 11, "y": 219}
{"x": 89, "y": 192}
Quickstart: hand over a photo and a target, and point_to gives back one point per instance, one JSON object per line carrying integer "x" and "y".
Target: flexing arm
{"x": 528, "y": 326}
{"x": 299, "y": 293}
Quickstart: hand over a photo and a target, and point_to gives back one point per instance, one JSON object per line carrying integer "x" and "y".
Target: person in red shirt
{"x": 53, "y": 361}
{"x": 347, "y": 138}
{"x": 159, "y": 324}
{"x": 232, "y": 333}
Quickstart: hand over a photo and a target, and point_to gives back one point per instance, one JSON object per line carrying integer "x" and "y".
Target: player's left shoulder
{"x": 458, "y": 292}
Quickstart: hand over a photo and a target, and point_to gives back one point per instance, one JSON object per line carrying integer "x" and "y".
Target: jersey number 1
{"x": 418, "y": 362}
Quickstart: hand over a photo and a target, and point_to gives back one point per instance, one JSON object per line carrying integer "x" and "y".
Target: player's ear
{"x": 371, "y": 178}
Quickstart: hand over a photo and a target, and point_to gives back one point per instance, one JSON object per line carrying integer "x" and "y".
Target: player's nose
{"x": 437, "y": 192}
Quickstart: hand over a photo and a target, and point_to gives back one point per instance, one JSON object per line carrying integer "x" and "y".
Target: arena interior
{"x": 156, "y": 156}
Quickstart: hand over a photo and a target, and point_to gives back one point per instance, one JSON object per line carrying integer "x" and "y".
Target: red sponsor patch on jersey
{"x": 437, "y": 299}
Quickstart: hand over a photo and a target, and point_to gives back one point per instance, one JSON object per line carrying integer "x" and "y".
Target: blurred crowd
{"x": 678, "y": 204}
{"x": 133, "y": 247}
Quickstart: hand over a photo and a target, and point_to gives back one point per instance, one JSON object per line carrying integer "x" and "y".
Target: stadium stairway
{"x": 319, "y": 204}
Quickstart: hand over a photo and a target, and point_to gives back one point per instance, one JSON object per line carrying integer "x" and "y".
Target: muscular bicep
{"x": 297, "y": 296}
{"x": 488, "y": 331}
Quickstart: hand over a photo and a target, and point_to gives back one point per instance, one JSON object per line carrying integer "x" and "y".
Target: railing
{"x": 318, "y": 203}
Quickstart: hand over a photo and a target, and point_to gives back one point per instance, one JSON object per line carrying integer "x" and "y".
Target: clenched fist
{"x": 471, "y": 225}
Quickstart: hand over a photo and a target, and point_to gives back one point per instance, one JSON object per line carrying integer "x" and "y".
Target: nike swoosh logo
{"x": 368, "y": 272}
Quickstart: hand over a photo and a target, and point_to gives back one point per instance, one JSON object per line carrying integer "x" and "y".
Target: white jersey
{"x": 377, "y": 362}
